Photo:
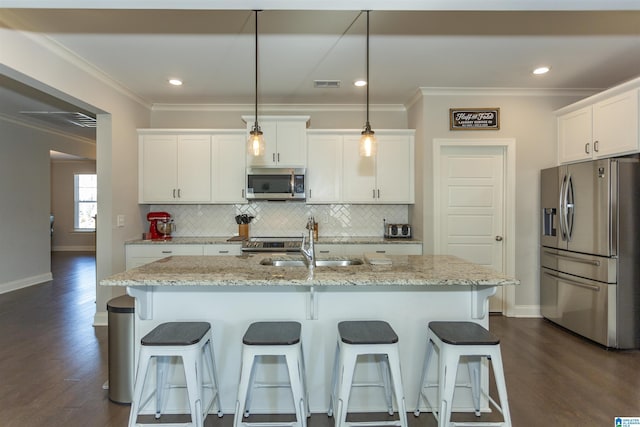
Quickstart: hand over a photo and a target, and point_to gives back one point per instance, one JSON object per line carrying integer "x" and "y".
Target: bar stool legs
{"x": 191, "y": 342}
{"x": 454, "y": 340}
{"x": 272, "y": 339}
{"x": 366, "y": 338}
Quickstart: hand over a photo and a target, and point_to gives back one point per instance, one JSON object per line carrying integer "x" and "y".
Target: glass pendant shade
{"x": 368, "y": 143}
{"x": 256, "y": 141}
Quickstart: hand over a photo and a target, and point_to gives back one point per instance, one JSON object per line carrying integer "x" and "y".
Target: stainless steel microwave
{"x": 276, "y": 183}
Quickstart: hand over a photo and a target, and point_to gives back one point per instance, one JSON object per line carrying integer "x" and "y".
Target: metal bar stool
{"x": 272, "y": 339}
{"x": 191, "y": 342}
{"x": 453, "y": 340}
{"x": 370, "y": 337}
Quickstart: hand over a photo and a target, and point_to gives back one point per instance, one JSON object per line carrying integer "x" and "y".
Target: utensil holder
{"x": 243, "y": 230}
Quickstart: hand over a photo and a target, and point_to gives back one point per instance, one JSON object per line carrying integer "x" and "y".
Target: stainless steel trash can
{"x": 121, "y": 348}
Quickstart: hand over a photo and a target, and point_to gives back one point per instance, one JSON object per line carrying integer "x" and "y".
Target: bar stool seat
{"x": 366, "y": 337}
{"x": 454, "y": 340}
{"x": 280, "y": 339}
{"x": 192, "y": 343}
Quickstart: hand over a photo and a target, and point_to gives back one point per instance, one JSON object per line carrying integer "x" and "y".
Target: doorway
{"x": 474, "y": 205}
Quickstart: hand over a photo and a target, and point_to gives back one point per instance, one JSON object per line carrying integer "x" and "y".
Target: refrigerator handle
{"x": 570, "y": 207}
{"x": 561, "y": 203}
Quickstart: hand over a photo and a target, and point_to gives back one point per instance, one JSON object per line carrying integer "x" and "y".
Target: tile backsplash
{"x": 283, "y": 218}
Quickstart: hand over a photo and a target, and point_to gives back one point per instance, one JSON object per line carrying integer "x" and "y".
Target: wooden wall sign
{"x": 474, "y": 119}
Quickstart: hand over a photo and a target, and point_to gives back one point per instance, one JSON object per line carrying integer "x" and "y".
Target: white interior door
{"x": 471, "y": 207}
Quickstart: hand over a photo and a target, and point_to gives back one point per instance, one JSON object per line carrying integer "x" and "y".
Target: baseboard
{"x": 524, "y": 311}
{"x": 101, "y": 319}
{"x": 23, "y": 283}
{"x": 89, "y": 248}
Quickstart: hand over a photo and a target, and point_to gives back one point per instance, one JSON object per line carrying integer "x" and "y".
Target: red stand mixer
{"x": 161, "y": 225}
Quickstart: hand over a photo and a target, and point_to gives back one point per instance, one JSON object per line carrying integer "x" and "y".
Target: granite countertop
{"x": 246, "y": 270}
{"x": 216, "y": 240}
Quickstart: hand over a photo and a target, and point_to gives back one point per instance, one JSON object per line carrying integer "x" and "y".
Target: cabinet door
{"x": 223, "y": 250}
{"x": 292, "y": 144}
{"x": 157, "y": 168}
{"x": 615, "y": 125}
{"x": 325, "y": 250}
{"x": 324, "y": 168}
{"x": 394, "y": 169}
{"x": 575, "y": 136}
{"x": 270, "y": 134}
{"x": 194, "y": 168}
{"x": 228, "y": 169}
{"x": 358, "y": 173}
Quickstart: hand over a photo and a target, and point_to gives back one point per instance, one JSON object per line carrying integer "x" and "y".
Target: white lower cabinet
{"x": 144, "y": 253}
{"x": 358, "y": 250}
{"x": 222, "y": 249}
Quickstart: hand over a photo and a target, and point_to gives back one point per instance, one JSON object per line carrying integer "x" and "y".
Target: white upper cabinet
{"x": 191, "y": 166}
{"x": 174, "y": 168}
{"x": 337, "y": 174}
{"x": 285, "y": 141}
{"x": 386, "y": 178}
{"x": 324, "y": 168}
{"x": 604, "y": 125}
{"x": 228, "y": 154}
{"x": 615, "y": 125}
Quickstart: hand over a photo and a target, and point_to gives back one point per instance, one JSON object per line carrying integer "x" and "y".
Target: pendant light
{"x": 368, "y": 140}
{"x": 256, "y": 140}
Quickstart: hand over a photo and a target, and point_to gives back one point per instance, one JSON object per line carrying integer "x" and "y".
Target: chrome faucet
{"x": 308, "y": 250}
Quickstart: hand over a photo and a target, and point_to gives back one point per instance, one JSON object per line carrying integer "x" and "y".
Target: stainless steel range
{"x": 272, "y": 244}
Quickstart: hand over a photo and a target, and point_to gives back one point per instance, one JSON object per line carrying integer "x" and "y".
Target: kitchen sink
{"x": 292, "y": 262}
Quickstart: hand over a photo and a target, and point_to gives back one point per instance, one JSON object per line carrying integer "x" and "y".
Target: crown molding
{"x": 278, "y": 108}
{"x": 47, "y": 129}
{"x": 499, "y": 91}
{"x": 14, "y": 23}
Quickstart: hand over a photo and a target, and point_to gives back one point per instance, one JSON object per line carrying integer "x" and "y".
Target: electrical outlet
{"x": 120, "y": 221}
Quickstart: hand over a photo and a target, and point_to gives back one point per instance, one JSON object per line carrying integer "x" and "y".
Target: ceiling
{"x": 212, "y": 51}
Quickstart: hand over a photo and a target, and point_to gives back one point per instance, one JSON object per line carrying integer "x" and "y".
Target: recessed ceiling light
{"x": 541, "y": 70}
{"x": 360, "y": 83}
{"x": 175, "y": 82}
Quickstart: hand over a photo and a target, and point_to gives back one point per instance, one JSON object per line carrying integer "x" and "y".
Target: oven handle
{"x": 572, "y": 282}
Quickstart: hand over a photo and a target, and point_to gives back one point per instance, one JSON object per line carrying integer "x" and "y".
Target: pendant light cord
{"x": 255, "y": 125}
{"x": 367, "y": 124}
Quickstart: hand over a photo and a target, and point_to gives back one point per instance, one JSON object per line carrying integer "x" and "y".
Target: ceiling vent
{"x": 326, "y": 84}
{"x": 63, "y": 117}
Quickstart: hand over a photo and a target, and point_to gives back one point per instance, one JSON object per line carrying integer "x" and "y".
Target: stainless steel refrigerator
{"x": 590, "y": 249}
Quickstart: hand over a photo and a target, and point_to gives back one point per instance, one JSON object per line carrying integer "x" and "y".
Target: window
{"x": 85, "y": 201}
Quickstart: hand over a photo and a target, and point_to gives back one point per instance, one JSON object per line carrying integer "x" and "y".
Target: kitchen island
{"x": 231, "y": 292}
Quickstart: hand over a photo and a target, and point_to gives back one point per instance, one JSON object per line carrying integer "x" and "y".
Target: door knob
{"x": 498, "y": 238}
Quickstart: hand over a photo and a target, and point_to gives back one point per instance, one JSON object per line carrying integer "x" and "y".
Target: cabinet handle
{"x": 242, "y": 193}
{"x": 309, "y": 193}
{"x": 324, "y": 252}
{"x": 381, "y": 252}
{"x": 179, "y": 193}
{"x": 586, "y": 148}
{"x": 223, "y": 252}
{"x": 174, "y": 193}
{"x": 378, "y": 193}
{"x": 278, "y": 157}
{"x": 374, "y": 193}
{"x": 167, "y": 252}
{"x": 595, "y": 146}
{"x": 273, "y": 157}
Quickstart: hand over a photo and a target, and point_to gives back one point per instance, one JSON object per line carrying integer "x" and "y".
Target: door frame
{"x": 509, "y": 200}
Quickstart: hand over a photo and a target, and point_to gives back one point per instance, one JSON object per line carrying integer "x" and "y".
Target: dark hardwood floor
{"x": 53, "y": 364}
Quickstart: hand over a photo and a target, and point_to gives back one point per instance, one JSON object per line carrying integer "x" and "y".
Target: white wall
{"x": 35, "y": 61}
{"x": 25, "y": 188}
{"x": 528, "y": 118}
